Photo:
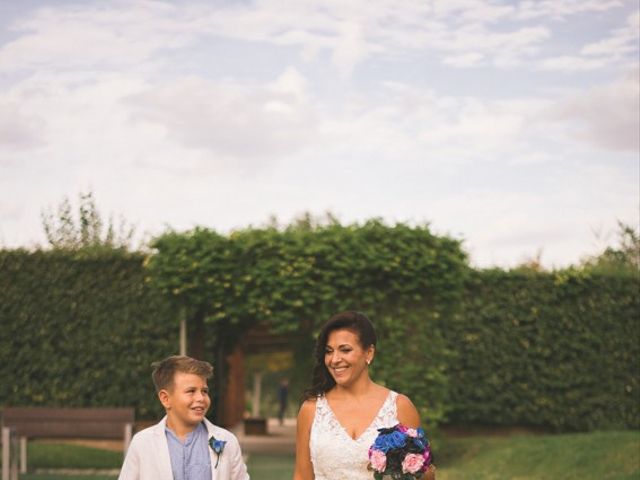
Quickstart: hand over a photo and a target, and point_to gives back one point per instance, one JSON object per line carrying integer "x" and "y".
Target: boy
{"x": 184, "y": 445}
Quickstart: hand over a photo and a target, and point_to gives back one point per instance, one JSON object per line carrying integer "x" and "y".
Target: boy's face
{"x": 186, "y": 402}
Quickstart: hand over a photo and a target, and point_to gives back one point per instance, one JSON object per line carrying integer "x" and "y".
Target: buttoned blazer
{"x": 148, "y": 455}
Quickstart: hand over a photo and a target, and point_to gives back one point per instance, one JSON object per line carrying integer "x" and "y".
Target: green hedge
{"x": 556, "y": 350}
{"x": 559, "y": 351}
{"x": 80, "y": 329}
{"x": 412, "y": 358}
{"x": 298, "y": 277}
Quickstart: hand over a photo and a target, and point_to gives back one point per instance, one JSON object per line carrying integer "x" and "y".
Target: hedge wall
{"x": 80, "y": 329}
{"x": 559, "y": 351}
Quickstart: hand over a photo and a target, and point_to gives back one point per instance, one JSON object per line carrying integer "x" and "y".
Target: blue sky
{"x": 511, "y": 125}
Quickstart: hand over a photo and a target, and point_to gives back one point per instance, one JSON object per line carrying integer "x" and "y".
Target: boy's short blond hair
{"x": 165, "y": 370}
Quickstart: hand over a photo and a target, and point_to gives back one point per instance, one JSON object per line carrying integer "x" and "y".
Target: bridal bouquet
{"x": 400, "y": 453}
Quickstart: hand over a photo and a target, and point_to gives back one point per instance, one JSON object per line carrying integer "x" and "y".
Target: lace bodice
{"x": 337, "y": 456}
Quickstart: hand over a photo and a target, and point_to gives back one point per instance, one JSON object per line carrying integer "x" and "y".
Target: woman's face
{"x": 345, "y": 358}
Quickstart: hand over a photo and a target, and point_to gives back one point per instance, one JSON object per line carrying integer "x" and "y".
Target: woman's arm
{"x": 304, "y": 469}
{"x": 408, "y": 415}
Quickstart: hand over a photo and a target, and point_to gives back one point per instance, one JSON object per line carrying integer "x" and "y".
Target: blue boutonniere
{"x": 218, "y": 447}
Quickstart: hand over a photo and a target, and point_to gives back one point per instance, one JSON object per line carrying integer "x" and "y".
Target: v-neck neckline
{"x": 344, "y": 430}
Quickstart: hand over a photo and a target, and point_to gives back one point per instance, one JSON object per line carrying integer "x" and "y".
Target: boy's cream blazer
{"x": 148, "y": 455}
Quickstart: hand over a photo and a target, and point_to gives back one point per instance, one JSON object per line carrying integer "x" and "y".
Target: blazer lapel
{"x": 212, "y": 455}
{"x": 161, "y": 448}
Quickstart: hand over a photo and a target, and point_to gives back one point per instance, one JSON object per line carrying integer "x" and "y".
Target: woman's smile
{"x": 339, "y": 370}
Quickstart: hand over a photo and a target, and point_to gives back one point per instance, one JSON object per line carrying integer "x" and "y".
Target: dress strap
{"x": 388, "y": 413}
{"x": 321, "y": 403}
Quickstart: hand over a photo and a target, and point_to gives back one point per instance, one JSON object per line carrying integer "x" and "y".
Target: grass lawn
{"x": 61, "y": 455}
{"x": 33, "y": 476}
{"x": 270, "y": 467}
{"x": 598, "y": 455}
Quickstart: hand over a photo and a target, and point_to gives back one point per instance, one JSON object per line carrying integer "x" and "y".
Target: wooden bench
{"x": 61, "y": 423}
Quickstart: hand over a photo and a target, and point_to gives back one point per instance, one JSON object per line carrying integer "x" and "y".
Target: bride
{"x": 343, "y": 409}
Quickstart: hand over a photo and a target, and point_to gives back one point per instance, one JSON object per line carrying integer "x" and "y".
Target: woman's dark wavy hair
{"x": 358, "y": 323}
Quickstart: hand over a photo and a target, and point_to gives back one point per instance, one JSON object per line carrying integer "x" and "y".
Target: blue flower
{"x": 390, "y": 441}
{"x": 218, "y": 447}
{"x": 420, "y": 443}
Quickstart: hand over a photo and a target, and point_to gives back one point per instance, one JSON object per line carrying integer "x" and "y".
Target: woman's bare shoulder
{"x": 308, "y": 408}
{"x": 403, "y": 401}
{"x": 407, "y": 411}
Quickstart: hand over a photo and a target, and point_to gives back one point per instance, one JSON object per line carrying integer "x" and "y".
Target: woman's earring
{"x": 368, "y": 362}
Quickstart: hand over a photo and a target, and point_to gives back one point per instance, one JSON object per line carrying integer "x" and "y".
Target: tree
{"x": 623, "y": 257}
{"x": 87, "y": 230}
{"x": 293, "y": 279}
{"x": 531, "y": 264}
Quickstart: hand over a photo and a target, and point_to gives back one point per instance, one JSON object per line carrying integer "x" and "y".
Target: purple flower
{"x": 427, "y": 456}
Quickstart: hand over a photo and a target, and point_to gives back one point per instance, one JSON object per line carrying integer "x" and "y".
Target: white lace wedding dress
{"x": 337, "y": 456}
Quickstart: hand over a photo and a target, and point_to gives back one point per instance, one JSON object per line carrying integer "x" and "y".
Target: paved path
{"x": 280, "y": 439}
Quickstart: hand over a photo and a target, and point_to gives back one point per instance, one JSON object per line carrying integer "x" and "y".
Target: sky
{"x": 510, "y": 125}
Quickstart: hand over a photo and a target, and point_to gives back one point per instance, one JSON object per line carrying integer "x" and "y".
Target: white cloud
{"x": 291, "y": 82}
{"x": 561, "y": 9}
{"x": 351, "y": 48}
{"x": 619, "y": 47}
{"x": 606, "y": 116}
{"x": 465, "y": 60}
{"x": 93, "y": 36}
{"x": 621, "y": 43}
{"x": 572, "y": 63}
{"x": 461, "y": 33}
{"x": 473, "y": 10}
{"x": 457, "y": 128}
{"x": 480, "y": 126}
{"x": 232, "y": 122}
{"x": 19, "y": 130}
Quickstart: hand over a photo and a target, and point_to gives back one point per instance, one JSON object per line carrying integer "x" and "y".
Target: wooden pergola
{"x": 258, "y": 340}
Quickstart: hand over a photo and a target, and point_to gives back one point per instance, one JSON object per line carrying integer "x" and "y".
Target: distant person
{"x": 184, "y": 445}
{"x": 344, "y": 408}
{"x": 283, "y": 398}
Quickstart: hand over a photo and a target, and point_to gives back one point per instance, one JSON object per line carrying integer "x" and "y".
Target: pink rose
{"x": 412, "y": 463}
{"x": 378, "y": 460}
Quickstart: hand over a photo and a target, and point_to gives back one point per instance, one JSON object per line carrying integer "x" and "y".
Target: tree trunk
{"x": 196, "y": 336}
{"x": 220, "y": 381}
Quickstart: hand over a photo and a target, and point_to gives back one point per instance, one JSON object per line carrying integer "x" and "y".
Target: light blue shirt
{"x": 190, "y": 460}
